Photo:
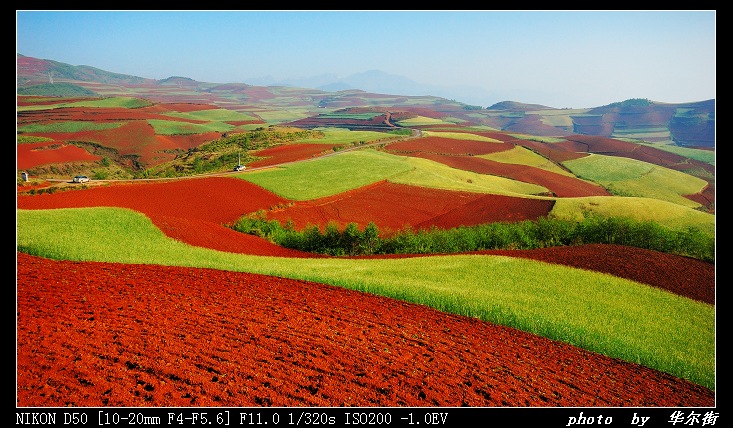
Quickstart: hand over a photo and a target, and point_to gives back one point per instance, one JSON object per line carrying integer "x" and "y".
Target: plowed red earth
{"x": 394, "y": 207}
{"x": 134, "y": 137}
{"x": 459, "y": 154}
{"x": 449, "y": 146}
{"x": 289, "y": 153}
{"x": 36, "y": 154}
{"x": 107, "y": 334}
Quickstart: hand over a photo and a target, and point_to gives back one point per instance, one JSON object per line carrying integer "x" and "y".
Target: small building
{"x": 24, "y": 176}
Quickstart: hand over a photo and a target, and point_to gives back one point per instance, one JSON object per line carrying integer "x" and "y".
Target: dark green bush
{"x": 529, "y": 234}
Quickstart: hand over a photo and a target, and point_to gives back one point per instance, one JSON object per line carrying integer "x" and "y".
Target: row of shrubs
{"x": 530, "y": 234}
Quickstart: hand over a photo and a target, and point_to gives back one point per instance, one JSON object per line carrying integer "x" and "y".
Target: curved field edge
{"x": 327, "y": 176}
{"x": 598, "y": 312}
{"x": 668, "y": 214}
{"x": 633, "y": 177}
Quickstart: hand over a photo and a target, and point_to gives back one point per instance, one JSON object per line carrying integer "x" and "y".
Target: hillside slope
{"x": 686, "y": 124}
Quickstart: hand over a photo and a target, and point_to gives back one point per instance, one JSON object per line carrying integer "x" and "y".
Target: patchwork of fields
{"x": 113, "y": 312}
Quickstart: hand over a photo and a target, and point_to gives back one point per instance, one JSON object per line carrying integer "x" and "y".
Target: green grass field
{"x": 523, "y": 156}
{"x": 330, "y": 175}
{"x": 346, "y": 136}
{"x": 30, "y": 139}
{"x": 421, "y": 120}
{"x": 669, "y": 214}
{"x": 109, "y": 102}
{"x": 630, "y": 177}
{"x": 69, "y": 126}
{"x": 279, "y": 116}
{"x": 357, "y": 116}
{"x": 707, "y": 156}
{"x": 538, "y": 139}
{"x": 428, "y": 173}
{"x": 213, "y": 115}
{"x": 598, "y": 312}
{"x": 460, "y": 136}
{"x": 172, "y": 127}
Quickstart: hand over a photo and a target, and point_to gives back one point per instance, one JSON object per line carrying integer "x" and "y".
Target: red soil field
{"x": 377, "y": 123}
{"x": 491, "y": 209}
{"x": 31, "y": 100}
{"x": 459, "y": 154}
{"x": 36, "y": 154}
{"x": 136, "y": 137}
{"x": 32, "y": 185}
{"x": 561, "y": 185}
{"x": 108, "y": 334}
{"x": 289, "y": 153}
{"x": 104, "y": 334}
{"x": 212, "y": 203}
{"x": 29, "y": 66}
{"x": 393, "y": 207}
{"x": 182, "y": 107}
{"x": 217, "y": 200}
{"x": 612, "y": 147}
{"x": 449, "y": 146}
{"x": 100, "y": 114}
{"x": 556, "y": 152}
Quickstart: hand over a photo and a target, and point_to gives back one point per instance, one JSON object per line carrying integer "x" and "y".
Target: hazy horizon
{"x": 564, "y": 59}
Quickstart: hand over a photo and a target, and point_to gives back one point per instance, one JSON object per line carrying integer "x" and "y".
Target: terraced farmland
{"x": 120, "y": 281}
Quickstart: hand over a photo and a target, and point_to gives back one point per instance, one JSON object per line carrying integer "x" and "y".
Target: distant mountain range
{"x": 685, "y": 124}
{"x": 374, "y": 81}
{"x": 384, "y": 83}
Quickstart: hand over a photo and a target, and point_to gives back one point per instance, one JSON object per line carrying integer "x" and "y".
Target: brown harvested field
{"x": 106, "y": 334}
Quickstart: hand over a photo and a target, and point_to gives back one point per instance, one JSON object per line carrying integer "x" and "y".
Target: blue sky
{"x": 557, "y": 58}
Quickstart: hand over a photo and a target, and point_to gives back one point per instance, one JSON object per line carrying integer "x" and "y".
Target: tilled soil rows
{"x": 107, "y": 334}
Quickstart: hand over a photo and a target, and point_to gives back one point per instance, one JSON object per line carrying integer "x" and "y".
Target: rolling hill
{"x": 687, "y": 124}
{"x": 548, "y": 257}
